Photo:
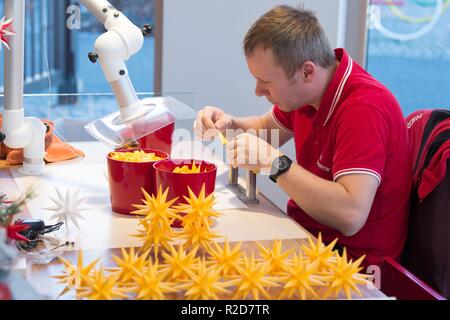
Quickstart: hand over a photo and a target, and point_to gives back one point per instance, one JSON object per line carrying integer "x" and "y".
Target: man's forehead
{"x": 262, "y": 65}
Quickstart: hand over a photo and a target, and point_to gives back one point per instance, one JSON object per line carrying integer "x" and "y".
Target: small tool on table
{"x": 247, "y": 195}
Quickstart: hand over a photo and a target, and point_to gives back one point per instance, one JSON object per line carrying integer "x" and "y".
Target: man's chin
{"x": 284, "y": 108}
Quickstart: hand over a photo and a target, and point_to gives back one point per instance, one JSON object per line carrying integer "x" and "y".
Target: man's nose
{"x": 259, "y": 90}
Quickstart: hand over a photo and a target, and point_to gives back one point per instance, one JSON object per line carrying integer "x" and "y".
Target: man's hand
{"x": 210, "y": 121}
{"x": 251, "y": 153}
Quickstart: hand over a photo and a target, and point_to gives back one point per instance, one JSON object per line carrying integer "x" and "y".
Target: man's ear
{"x": 308, "y": 71}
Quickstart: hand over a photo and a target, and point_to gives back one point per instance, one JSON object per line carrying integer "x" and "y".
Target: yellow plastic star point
{"x": 227, "y": 260}
{"x": 129, "y": 265}
{"x": 198, "y": 237}
{"x": 222, "y": 138}
{"x": 198, "y": 209}
{"x": 73, "y": 275}
{"x": 275, "y": 257}
{"x": 344, "y": 276}
{"x": 157, "y": 209}
{"x": 101, "y": 287}
{"x": 206, "y": 284}
{"x": 253, "y": 280}
{"x": 301, "y": 278}
{"x": 185, "y": 169}
{"x": 157, "y": 222}
{"x": 318, "y": 251}
{"x": 154, "y": 236}
{"x": 179, "y": 264}
{"x": 135, "y": 156}
{"x": 151, "y": 284}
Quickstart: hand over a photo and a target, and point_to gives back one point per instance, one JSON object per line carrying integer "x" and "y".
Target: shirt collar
{"x": 333, "y": 93}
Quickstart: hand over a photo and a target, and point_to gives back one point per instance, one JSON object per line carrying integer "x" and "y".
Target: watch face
{"x": 275, "y": 166}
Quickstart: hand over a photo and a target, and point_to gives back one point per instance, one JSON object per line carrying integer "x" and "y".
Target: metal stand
{"x": 246, "y": 195}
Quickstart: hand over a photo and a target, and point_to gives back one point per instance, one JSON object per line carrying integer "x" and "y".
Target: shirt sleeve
{"x": 361, "y": 142}
{"x": 283, "y": 119}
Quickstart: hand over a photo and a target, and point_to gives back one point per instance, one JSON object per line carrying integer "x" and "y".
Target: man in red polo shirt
{"x": 353, "y": 173}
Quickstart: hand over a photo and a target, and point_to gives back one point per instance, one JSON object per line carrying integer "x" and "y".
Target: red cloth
{"x": 427, "y": 179}
{"x": 358, "y": 128}
{"x": 56, "y": 150}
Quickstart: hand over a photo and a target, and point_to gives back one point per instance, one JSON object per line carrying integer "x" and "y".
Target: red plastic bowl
{"x": 178, "y": 182}
{"x": 127, "y": 178}
{"x": 159, "y": 140}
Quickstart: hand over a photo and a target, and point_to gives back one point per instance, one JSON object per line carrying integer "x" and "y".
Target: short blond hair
{"x": 294, "y": 36}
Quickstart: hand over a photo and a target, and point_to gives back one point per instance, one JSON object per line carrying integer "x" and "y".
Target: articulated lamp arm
{"x": 122, "y": 40}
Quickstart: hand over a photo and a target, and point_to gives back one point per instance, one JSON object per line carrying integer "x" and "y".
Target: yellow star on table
{"x": 178, "y": 264}
{"x": 157, "y": 209}
{"x": 197, "y": 237}
{"x": 206, "y": 284}
{"x": 301, "y": 276}
{"x": 276, "y": 258}
{"x": 344, "y": 275}
{"x": 99, "y": 287}
{"x": 154, "y": 235}
{"x": 150, "y": 283}
{"x": 253, "y": 280}
{"x": 227, "y": 260}
{"x": 318, "y": 251}
{"x": 129, "y": 265}
{"x": 198, "y": 210}
{"x": 73, "y": 275}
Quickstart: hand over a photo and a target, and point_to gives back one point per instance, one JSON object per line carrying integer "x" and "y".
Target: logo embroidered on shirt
{"x": 413, "y": 120}
{"x": 321, "y": 166}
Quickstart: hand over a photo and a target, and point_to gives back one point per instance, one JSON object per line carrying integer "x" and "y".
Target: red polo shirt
{"x": 358, "y": 128}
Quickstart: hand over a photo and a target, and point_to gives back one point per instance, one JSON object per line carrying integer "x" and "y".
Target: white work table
{"x": 102, "y": 231}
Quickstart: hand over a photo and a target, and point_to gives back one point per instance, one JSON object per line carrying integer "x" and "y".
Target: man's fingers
{"x": 207, "y": 121}
{"x": 222, "y": 123}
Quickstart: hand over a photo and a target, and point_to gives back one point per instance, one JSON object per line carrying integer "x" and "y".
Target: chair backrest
{"x": 427, "y": 248}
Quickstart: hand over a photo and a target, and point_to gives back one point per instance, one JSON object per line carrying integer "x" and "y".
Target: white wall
{"x": 202, "y": 54}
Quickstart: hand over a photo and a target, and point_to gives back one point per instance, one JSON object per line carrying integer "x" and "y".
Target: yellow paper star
{"x": 205, "y": 283}
{"x": 99, "y": 287}
{"x": 129, "y": 265}
{"x": 178, "y": 264}
{"x": 227, "y": 260}
{"x": 198, "y": 210}
{"x": 318, "y": 251}
{"x": 301, "y": 276}
{"x": 151, "y": 284}
{"x": 345, "y": 276}
{"x": 73, "y": 275}
{"x": 253, "y": 280}
{"x": 276, "y": 258}
{"x": 157, "y": 209}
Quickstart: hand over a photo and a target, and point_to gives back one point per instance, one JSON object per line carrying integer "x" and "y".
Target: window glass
{"x": 408, "y": 50}
{"x": 61, "y": 84}
{"x": 59, "y": 36}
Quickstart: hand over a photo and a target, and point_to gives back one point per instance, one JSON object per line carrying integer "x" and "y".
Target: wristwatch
{"x": 279, "y": 166}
